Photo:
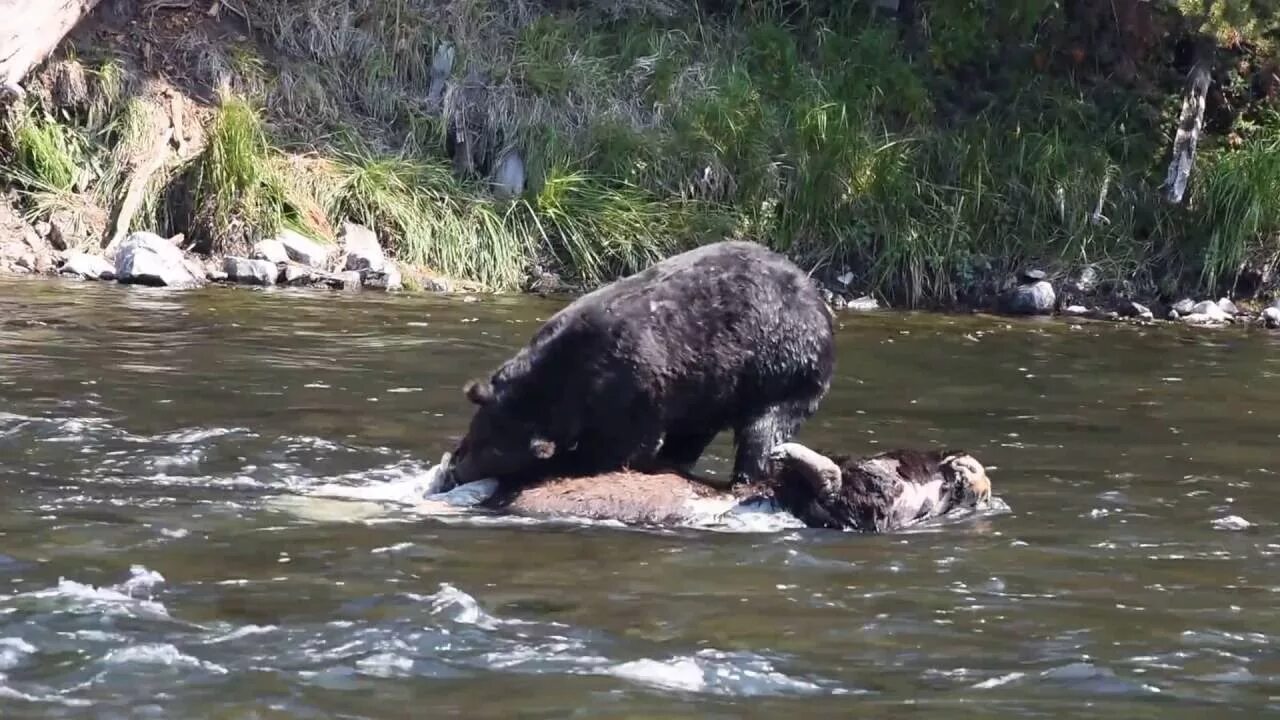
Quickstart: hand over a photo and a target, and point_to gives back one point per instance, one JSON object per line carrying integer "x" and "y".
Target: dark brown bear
{"x": 643, "y": 373}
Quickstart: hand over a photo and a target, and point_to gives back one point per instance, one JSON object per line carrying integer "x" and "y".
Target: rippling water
{"x": 148, "y": 567}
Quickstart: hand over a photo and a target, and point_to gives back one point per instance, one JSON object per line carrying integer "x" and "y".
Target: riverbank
{"x": 927, "y": 158}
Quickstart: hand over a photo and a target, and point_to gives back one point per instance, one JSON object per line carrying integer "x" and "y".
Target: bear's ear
{"x": 542, "y": 448}
{"x": 479, "y": 392}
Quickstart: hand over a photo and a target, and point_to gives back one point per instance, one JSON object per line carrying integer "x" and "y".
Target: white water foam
{"x": 163, "y": 654}
{"x": 714, "y": 672}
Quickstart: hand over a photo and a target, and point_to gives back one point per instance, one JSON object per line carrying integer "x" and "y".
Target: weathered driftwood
{"x": 30, "y": 32}
{"x": 1189, "y": 125}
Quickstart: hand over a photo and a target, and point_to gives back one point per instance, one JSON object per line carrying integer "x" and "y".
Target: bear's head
{"x": 504, "y": 439}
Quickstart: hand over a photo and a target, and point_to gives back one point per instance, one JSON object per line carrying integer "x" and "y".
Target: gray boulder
{"x": 145, "y": 258}
{"x": 89, "y": 267}
{"x": 1086, "y": 280}
{"x": 1206, "y": 313}
{"x": 362, "y": 249}
{"x": 863, "y": 304}
{"x": 249, "y": 271}
{"x": 1035, "y": 298}
{"x": 297, "y": 274}
{"x": 302, "y": 249}
{"x": 1075, "y": 310}
{"x": 271, "y": 250}
{"x": 1184, "y": 306}
{"x": 1228, "y": 307}
{"x": 1271, "y": 317}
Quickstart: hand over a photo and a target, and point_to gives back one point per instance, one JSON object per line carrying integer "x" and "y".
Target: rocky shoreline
{"x": 358, "y": 262}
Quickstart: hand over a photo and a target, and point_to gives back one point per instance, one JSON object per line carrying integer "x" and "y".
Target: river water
{"x": 148, "y": 568}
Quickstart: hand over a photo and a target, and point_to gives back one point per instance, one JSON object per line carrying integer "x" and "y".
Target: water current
{"x": 155, "y": 560}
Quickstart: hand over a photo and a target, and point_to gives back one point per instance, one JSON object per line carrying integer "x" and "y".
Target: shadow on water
{"x": 143, "y": 572}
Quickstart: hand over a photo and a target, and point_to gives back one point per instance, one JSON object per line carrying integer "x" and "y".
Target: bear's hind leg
{"x": 756, "y": 437}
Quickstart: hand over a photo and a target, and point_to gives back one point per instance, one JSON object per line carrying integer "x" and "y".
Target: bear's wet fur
{"x": 868, "y": 495}
{"x": 643, "y": 373}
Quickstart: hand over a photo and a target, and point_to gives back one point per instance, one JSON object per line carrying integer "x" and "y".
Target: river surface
{"x": 149, "y": 570}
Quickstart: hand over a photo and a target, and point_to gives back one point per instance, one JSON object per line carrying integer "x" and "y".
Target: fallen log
{"x": 31, "y": 31}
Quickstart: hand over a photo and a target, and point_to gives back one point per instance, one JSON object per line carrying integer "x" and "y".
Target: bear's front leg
{"x": 759, "y": 435}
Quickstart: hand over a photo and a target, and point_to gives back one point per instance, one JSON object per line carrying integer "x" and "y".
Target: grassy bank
{"x": 930, "y": 154}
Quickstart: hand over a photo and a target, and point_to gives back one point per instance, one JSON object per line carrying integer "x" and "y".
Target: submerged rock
{"x": 1034, "y": 298}
{"x": 388, "y": 278}
{"x": 87, "y": 266}
{"x": 271, "y": 250}
{"x": 362, "y": 249}
{"x": 345, "y": 280}
{"x": 249, "y": 271}
{"x": 302, "y": 249}
{"x": 292, "y": 273}
{"x": 145, "y": 258}
{"x": 1130, "y": 309}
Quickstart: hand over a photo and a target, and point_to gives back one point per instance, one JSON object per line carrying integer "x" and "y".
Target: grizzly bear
{"x": 643, "y": 373}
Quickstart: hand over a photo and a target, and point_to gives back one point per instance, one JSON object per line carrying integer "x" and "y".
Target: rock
{"x": 1076, "y": 310}
{"x": 249, "y": 271}
{"x": 846, "y": 279}
{"x": 1029, "y": 277}
{"x": 1085, "y": 280}
{"x": 1211, "y": 310}
{"x": 386, "y": 279}
{"x": 1205, "y": 313}
{"x": 302, "y": 249}
{"x": 292, "y": 273}
{"x": 271, "y": 250}
{"x": 508, "y": 176}
{"x": 1184, "y": 306}
{"x": 1173, "y": 314}
{"x": 145, "y": 258}
{"x": 1228, "y": 307}
{"x": 89, "y": 267}
{"x": 215, "y": 276}
{"x": 863, "y": 304}
{"x": 22, "y": 249}
{"x": 1130, "y": 309}
{"x": 1036, "y": 298}
{"x": 345, "y": 280}
{"x": 362, "y": 249}
{"x": 1271, "y": 317}
{"x": 839, "y": 302}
